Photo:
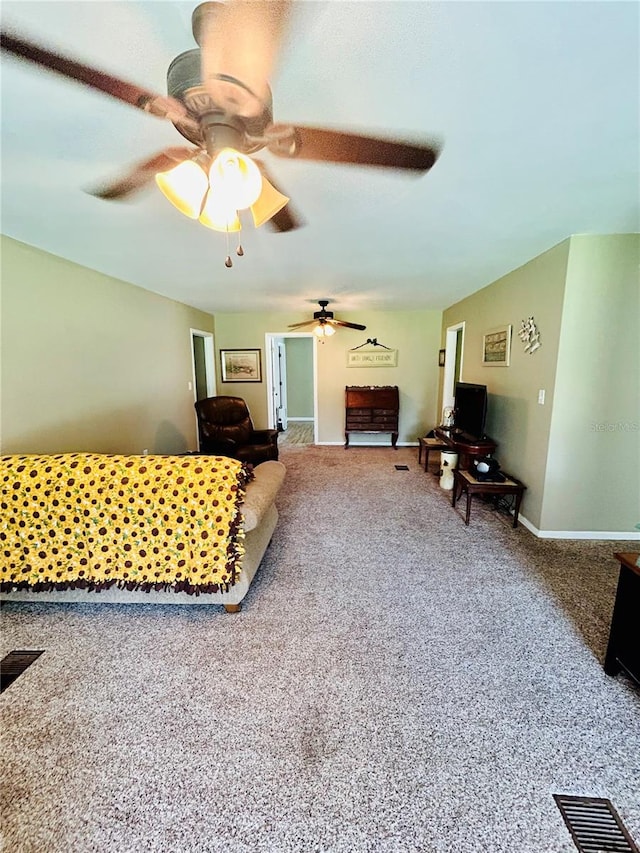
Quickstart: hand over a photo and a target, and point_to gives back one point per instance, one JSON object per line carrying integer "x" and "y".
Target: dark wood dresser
{"x": 371, "y": 408}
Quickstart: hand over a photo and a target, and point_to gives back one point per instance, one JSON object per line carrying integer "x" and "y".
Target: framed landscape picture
{"x": 240, "y": 365}
{"x": 496, "y": 347}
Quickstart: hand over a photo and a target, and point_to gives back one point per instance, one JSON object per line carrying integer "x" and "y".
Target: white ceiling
{"x": 536, "y": 103}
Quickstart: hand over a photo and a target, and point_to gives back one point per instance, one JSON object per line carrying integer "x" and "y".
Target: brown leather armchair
{"x": 226, "y": 429}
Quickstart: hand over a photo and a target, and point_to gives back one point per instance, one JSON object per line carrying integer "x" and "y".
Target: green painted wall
{"x": 299, "y": 377}
{"x": 90, "y": 362}
{"x": 593, "y": 467}
{"x": 416, "y": 335}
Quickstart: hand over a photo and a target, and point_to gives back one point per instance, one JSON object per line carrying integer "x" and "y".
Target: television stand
{"x": 467, "y": 447}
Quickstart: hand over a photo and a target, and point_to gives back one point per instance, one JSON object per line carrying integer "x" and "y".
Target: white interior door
{"x": 282, "y": 381}
{"x": 279, "y": 383}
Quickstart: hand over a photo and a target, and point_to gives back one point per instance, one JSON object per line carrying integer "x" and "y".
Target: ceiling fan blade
{"x": 333, "y": 146}
{"x": 143, "y": 173}
{"x": 347, "y": 325}
{"x": 150, "y": 102}
{"x": 240, "y": 39}
{"x": 299, "y": 325}
{"x": 284, "y": 220}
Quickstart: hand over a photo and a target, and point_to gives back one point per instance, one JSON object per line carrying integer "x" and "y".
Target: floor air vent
{"x": 595, "y": 825}
{"x": 402, "y": 467}
{"x": 14, "y": 664}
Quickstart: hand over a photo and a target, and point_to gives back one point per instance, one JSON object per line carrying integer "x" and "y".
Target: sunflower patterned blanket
{"x": 140, "y": 522}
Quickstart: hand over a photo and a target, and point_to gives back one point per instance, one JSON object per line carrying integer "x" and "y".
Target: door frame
{"x": 449, "y": 379}
{"x": 279, "y": 358}
{"x": 270, "y": 338}
{"x": 209, "y": 367}
{"x": 209, "y": 362}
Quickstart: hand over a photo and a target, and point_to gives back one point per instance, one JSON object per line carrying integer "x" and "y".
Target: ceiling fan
{"x": 220, "y": 101}
{"x": 325, "y": 322}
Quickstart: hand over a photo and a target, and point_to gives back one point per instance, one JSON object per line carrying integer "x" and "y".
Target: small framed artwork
{"x": 240, "y": 365}
{"x": 496, "y": 347}
{"x": 441, "y": 355}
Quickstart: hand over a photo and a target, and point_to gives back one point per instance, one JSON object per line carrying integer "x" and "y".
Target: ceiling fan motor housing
{"x": 323, "y": 314}
{"x": 234, "y": 104}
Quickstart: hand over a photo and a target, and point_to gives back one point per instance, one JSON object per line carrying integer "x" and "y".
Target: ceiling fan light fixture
{"x": 184, "y": 186}
{"x": 218, "y": 216}
{"x": 269, "y": 202}
{"x": 324, "y": 330}
{"x": 236, "y": 179}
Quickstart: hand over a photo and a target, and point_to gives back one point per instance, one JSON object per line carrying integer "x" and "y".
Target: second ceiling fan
{"x": 325, "y": 323}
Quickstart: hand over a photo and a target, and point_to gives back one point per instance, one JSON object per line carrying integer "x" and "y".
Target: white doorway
{"x": 454, "y": 353}
{"x": 278, "y": 375}
{"x": 202, "y": 365}
{"x": 203, "y": 372}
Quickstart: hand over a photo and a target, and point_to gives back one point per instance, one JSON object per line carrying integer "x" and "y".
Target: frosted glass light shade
{"x": 323, "y": 330}
{"x": 216, "y": 215}
{"x": 185, "y": 186}
{"x": 268, "y": 203}
{"x": 235, "y": 178}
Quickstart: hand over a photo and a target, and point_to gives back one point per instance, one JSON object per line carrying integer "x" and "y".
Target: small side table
{"x": 464, "y": 481}
{"x": 427, "y": 446}
{"x": 623, "y": 650}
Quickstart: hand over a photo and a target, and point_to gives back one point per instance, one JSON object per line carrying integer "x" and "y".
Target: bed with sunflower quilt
{"x": 106, "y": 528}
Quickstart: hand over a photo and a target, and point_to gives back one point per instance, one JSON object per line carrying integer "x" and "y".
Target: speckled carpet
{"x": 395, "y": 681}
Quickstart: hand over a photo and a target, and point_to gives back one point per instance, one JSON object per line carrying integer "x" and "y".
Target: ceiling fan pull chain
{"x": 239, "y": 250}
{"x": 228, "y": 263}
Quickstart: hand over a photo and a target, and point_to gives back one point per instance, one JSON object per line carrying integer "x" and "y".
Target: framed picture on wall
{"x": 240, "y": 365}
{"x": 496, "y": 347}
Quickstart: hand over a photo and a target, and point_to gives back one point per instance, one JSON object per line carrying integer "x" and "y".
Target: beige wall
{"x": 593, "y": 470}
{"x": 416, "y": 335}
{"x": 514, "y": 418}
{"x": 91, "y": 363}
{"x": 583, "y": 294}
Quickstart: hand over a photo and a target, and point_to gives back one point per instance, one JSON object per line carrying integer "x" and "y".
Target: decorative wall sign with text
{"x": 372, "y": 358}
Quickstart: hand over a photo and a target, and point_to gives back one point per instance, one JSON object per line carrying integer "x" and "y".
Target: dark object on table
{"x": 225, "y": 428}
{"x": 486, "y": 469}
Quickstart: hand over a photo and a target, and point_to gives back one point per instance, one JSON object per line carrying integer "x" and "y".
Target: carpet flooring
{"x": 395, "y": 682}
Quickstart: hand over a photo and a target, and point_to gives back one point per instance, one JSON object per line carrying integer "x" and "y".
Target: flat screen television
{"x": 470, "y": 408}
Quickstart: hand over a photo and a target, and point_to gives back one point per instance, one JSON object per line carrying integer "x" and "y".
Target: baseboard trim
{"x": 363, "y": 444}
{"x": 615, "y": 535}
